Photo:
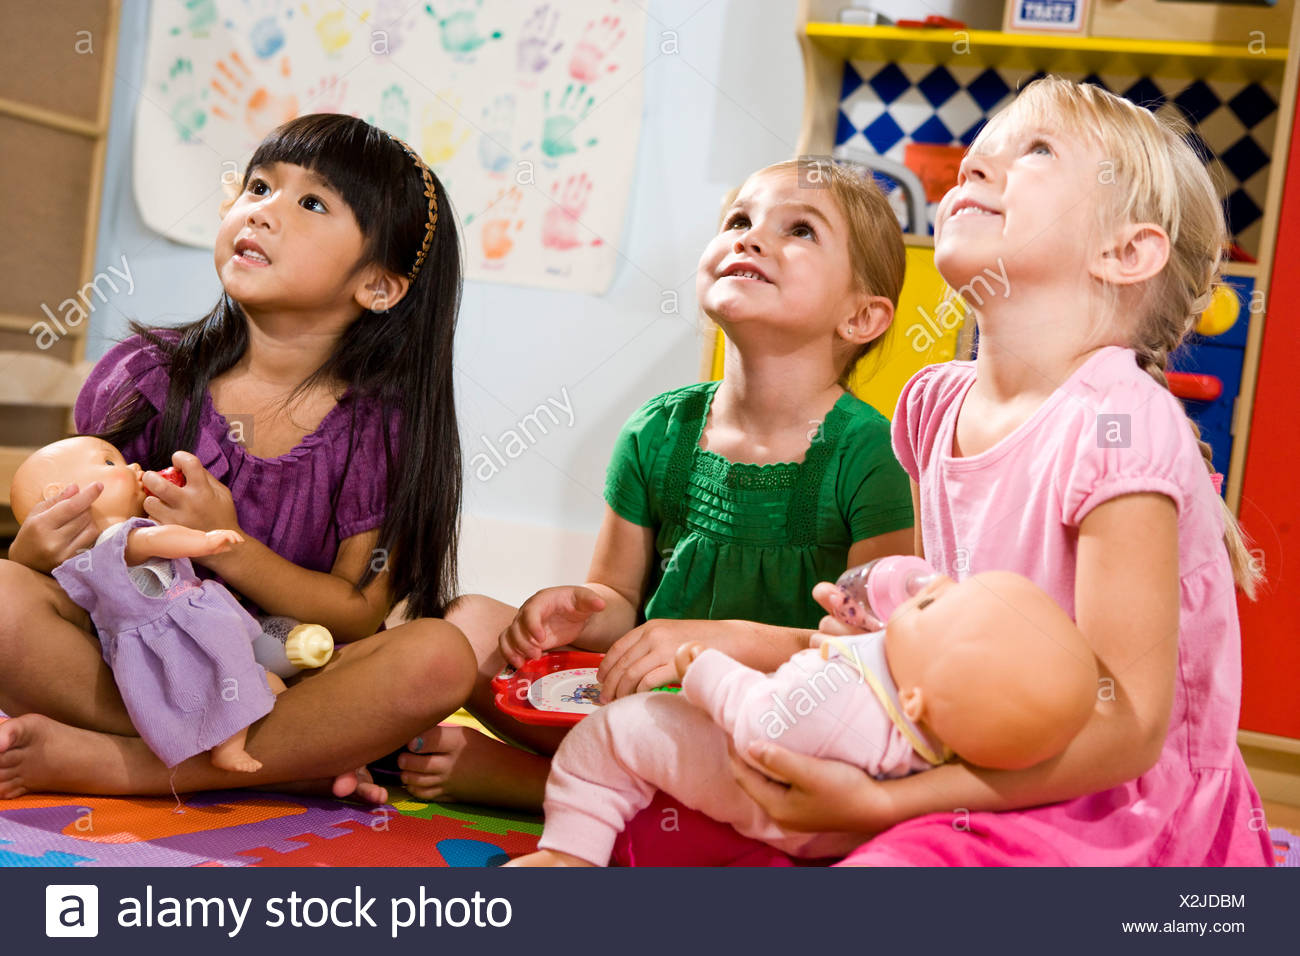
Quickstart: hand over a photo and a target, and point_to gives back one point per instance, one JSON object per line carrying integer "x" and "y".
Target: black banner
{"x": 797, "y": 911}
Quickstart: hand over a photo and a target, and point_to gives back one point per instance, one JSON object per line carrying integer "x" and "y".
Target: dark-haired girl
{"x": 311, "y": 409}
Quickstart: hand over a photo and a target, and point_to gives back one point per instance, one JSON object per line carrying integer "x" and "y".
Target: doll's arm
{"x": 175, "y": 541}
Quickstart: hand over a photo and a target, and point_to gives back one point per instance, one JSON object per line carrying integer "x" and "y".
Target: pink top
{"x": 1110, "y": 430}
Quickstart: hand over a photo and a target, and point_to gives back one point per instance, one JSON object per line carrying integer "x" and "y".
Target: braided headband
{"x": 429, "y": 193}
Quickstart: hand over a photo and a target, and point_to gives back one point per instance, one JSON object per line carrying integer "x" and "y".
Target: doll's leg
{"x": 50, "y": 662}
{"x": 231, "y": 755}
{"x": 378, "y": 694}
{"x": 461, "y": 764}
{"x": 611, "y": 764}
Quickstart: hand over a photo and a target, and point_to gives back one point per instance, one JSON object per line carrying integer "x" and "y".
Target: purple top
{"x": 283, "y": 502}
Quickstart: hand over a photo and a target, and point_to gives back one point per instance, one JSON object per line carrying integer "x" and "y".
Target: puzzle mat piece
{"x": 46, "y": 859}
{"x": 136, "y": 820}
{"x": 397, "y": 840}
{"x": 483, "y": 819}
{"x": 61, "y": 823}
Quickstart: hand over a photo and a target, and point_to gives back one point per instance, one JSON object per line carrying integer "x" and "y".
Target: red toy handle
{"x": 1194, "y": 385}
{"x": 174, "y": 475}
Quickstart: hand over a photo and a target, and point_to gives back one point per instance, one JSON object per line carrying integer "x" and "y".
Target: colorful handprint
{"x": 389, "y": 26}
{"x": 394, "y": 112}
{"x": 589, "y": 55}
{"x": 240, "y": 98}
{"x": 459, "y": 28}
{"x": 535, "y": 50}
{"x": 443, "y": 131}
{"x": 560, "y": 121}
{"x": 326, "y": 95}
{"x": 500, "y": 225}
{"x": 569, "y": 202}
{"x": 188, "y": 112}
{"x": 497, "y": 135}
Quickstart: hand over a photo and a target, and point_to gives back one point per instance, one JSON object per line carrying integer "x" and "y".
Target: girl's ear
{"x": 1137, "y": 252}
{"x": 869, "y": 322}
{"x": 381, "y": 289}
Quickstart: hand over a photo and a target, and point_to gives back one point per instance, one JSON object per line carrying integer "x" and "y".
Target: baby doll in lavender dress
{"x": 989, "y": 669}
{"x": 180, "y": 649}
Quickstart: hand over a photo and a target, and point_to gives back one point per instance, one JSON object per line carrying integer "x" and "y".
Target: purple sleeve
{"x": 363, "y": 497}
{"x": 128, "y": 366}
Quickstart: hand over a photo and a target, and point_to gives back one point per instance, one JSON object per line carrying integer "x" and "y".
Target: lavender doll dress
{"x": 180, "y": 649}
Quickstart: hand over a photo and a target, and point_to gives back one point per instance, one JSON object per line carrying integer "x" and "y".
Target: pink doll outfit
{"x": 1109, "y": 430}
{"x": 180, "y": 649}
{"x": 609, "y": 766}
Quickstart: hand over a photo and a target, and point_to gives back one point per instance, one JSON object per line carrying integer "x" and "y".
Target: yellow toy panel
{"x": 924, "y": 332}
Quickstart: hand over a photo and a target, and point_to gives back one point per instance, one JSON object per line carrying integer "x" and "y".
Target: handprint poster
{"x": 528, "y": 111}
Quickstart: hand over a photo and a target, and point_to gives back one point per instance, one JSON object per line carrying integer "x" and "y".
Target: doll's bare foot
{"x": 548, "y": 858}
{"x": 38, "y": 754}
{"x": 461, "y": 765}
{"x": 231, "y": 755}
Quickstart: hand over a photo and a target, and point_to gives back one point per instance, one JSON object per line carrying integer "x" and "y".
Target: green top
{"x": 750, "y": 541}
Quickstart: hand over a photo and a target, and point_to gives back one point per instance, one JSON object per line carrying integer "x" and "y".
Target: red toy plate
{"x": 512, "y": 688}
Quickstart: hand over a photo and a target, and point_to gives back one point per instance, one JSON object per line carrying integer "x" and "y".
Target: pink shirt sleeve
{"x": 1144, "y": 445}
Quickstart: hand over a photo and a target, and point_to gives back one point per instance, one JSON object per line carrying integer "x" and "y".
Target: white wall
{"x": 727, "y": 102}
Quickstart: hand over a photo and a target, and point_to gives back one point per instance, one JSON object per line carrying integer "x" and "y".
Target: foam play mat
{"x": 243, "y": 828}
{"x": 239, "y": 828}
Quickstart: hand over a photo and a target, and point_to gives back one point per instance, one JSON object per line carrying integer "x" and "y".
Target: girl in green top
{"x": 727, "y": 501}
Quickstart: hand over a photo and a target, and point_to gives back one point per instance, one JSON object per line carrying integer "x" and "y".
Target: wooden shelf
{"x": 993, "y": 48}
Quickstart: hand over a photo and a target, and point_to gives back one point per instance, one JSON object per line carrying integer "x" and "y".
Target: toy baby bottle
{"x": 873, "y": 591}
{"x": 285, "y": 647}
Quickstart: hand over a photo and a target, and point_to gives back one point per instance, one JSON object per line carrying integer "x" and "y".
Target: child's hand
{"x": 550, "y": 618}
{"x": 204, "y": 503}
{"x": 219, "y": 542}
{"x": 56, "y": 529}
{"x": 831, "y": 598}
{"x": 685, "y": 654}
{"x": 644, "y": 658}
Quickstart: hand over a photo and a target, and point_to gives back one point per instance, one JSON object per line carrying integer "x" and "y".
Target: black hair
{"x": 400, "y": 358}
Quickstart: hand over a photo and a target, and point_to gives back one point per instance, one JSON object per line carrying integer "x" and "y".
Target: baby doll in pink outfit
{"x": 989, "y": 669}
{"x": 180, "y": 649}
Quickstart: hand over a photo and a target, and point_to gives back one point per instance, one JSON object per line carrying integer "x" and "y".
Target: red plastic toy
{"x": 174, "y": 475}
{"x": 512, "y": 688}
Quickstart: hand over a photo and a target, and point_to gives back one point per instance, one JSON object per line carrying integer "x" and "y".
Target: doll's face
{"x": 81, "y": 461}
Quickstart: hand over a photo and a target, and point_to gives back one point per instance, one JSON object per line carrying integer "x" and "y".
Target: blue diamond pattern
{"x": 1252, "y": 105}
{"x": 1241, "y": 210}
{"x": 1242, "y": 155}
{"x": 852, "y": 80}
{"x": 988, "y": 89}
{"x": 932, "y": 131}
{"x": 883, "y": 133}
{"x": 843, "y": 128}
{"x": 968, "y": 137}
{"x": 1145, "y": 93}
{"x": 1244, "y": 158}
{"x": 938, "y": 86}
{"x": 1193, "y": 139}
{"x": 1197, "y": 101}
{"x": 890, "y": 83}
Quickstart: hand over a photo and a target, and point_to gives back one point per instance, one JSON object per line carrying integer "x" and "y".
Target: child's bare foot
{"x": 548, "y": 858}
{"x": 38, "y": 754}
{"x": 359, "y": 785}
{"x": 460, "y": 765}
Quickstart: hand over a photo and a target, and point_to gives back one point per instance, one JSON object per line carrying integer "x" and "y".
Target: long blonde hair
{"x": 1157, "y": 178}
